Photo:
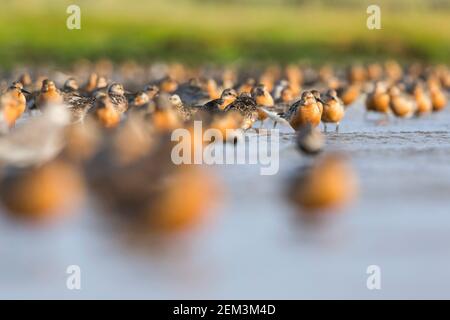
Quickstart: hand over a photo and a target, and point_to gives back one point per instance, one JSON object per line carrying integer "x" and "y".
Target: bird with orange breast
{"x": 25, "y": 79}
{"x": 13, "y": 103}
{"x": 304, "y": 111}
{"x": 294, "y": 76}
{"x": 168, "y": 85}
{"x": 264, "y": 99}
{"x": 318, "y": 98}
{"x": 101, "y": 86}
{"x": 349, "y": 93}
{"x": 152, "y": 91}
{"x": 393, "y": 70}
{"x": 166, "y": 117}
{"x": 228, "y": 112}
{"x": 42, "y": 193}
{"x": 149, "y": 191}
{"x": 141, "y": 103}
{"x": 379, "y": 99}
{"x": 269, "y": 76}
{"x": 357, "y": 74}
{"x": 401, "y": 105}
{"x": 423, "y": 101}
{"x": 438, "y": 98}
{"x": 330, "y": 183}
{"x": 212, "y": 89}
{"x": 105, "y": 112}
{"x": 91, "y": 84}
{"x": 48, "y": 95}
{"x": 284, "y": 101}
{"x": 374, "y": 71}
{"x": 333, "y": 110}
{"x": 227, "y": 97}
{"x": 247, "y": 86}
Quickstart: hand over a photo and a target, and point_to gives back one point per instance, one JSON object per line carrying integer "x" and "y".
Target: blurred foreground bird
{"x": 150, "y": 192}
{"x": 36, "y": 141}
{"x": 40, "y": 193}
{"x": 310, "y": 140}
{"x": 165, "y": 118}
{"x": 13, "y": 103}
{"x": 328, "y": 184}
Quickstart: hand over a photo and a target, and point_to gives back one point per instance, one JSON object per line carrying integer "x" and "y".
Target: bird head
{"x": 175, "y": 100}
{"x": 48, "y": 86}
{"x": 71, "y": 84}
{"x": 116, "y": 89}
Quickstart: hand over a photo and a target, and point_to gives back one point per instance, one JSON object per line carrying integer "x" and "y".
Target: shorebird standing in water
{"x": 401, "y": 105}
{"x": 13, "y": 103}
{"x": 438, "y": 98}
{"x": 333, "y": 110}
{"x": 423, "y": 100}
{"x": 304, "y": 111}
{"x": 264, "y": 99}
{"x": 379, "y": 100}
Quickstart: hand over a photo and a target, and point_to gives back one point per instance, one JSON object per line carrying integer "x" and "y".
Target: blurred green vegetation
{"x": 203, "y": 31}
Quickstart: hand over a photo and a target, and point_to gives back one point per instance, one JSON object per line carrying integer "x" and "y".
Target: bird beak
{"x": 127, "y": 92}
{"x": 25, "y": 91}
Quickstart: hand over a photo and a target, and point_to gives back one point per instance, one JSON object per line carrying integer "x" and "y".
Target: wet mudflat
{"x": 255, "y": 245}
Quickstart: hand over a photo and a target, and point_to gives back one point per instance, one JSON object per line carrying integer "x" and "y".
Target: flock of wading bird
{"x": 89, "y": 135}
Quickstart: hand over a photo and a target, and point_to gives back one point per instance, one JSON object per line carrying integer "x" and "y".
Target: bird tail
{"x": 274, "y": 116}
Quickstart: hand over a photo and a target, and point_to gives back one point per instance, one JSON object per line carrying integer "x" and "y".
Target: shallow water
{"x": 255, "y": 245}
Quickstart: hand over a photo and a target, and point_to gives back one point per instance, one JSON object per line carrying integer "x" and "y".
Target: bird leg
{"x": 261, "y": 124}
{"x": 274, "y": 124}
